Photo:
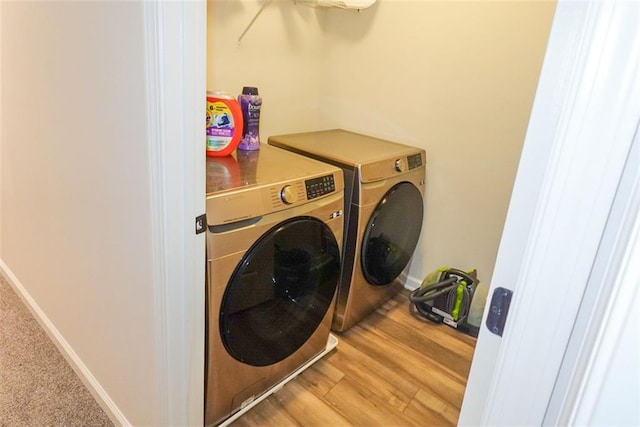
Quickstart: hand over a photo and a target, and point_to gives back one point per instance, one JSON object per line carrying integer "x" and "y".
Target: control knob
{"x": 288, "y": 195}
{"x": 399, "y": 165}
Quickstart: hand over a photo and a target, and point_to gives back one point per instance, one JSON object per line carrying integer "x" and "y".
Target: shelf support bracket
{"x": 264, "y": 5}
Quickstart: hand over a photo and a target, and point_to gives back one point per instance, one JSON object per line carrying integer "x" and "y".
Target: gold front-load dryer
{"x": 384, "y": 209}
{"x": 275, "y": 224}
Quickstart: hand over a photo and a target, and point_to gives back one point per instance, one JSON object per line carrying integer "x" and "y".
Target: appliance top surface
{"x": 344, "y": 147}
{"x": 263, "y": 167}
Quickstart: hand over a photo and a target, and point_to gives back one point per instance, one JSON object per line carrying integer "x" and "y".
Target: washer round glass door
{"x": 392, "y": 234}
{"x": 280, "y": 291}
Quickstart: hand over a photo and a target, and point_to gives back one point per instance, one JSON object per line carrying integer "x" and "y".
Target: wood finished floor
{"x": 392, "y": 369}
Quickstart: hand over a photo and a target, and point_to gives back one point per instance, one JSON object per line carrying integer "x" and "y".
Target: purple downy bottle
{"x": 250, "y": 104}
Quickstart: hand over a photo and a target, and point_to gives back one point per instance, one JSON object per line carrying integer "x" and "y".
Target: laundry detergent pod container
{"x": 224, "y": 124}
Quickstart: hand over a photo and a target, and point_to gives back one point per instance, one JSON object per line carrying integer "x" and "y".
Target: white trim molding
{"x": 175, "y": 36}
{"x": 611, "y": 358}
{"x": 604, "y": 329}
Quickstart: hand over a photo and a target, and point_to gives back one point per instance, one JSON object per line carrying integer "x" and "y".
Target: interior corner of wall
{"x": 412, "y": 283}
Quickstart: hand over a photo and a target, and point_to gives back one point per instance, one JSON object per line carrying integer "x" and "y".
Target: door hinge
{"x": 498, "y": 310}
{"x": 201, "y": 223}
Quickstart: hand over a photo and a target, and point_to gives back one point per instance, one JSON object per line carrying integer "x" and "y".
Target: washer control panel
{"x": 320, "y": 186}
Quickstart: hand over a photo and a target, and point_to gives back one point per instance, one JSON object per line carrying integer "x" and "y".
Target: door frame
{"x": 563, "y": 160}
{"x": 582, "y": 127}
{"x": 176, "y": 61}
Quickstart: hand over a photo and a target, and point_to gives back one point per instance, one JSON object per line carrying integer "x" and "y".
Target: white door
{"x": 583, "y": 122}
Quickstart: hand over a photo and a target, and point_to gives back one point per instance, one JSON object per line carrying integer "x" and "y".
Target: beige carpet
{"x": 37, "y": 386}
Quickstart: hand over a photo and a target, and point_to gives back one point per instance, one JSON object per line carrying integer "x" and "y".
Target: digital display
{"x": 319, "y": 186}
{"x": 414, "y": 161}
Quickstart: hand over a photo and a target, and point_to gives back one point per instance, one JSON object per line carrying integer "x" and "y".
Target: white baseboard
{"x": 85, "y": 375}
{"x": 412, "y": 283}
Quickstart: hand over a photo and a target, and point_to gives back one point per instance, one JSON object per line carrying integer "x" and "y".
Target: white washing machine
{"x": 384, "y": 207}
{"x": 275, "y": 224}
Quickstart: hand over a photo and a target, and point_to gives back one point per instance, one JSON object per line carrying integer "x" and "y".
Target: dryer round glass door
{"x": 280, "y": 291}
{"x": 392, "y": 234}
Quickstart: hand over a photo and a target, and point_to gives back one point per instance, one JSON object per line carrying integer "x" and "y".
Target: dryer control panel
{"x": 403, "y": 163}
{"x": 414, "y": 161}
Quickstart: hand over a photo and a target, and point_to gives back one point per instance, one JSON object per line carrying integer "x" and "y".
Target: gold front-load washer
{"x": 274, "y": 233}
{"x": 384, "y": 208}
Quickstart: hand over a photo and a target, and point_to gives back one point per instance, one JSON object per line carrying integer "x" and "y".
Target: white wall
{"x": 280, "y": 55}
{"x": 75, "y": 189}
{"x": 455, "y": 78}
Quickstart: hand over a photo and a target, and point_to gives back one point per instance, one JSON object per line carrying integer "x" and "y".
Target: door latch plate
{"x": 498, "y": 310}
{"x": 201, "y": 223}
